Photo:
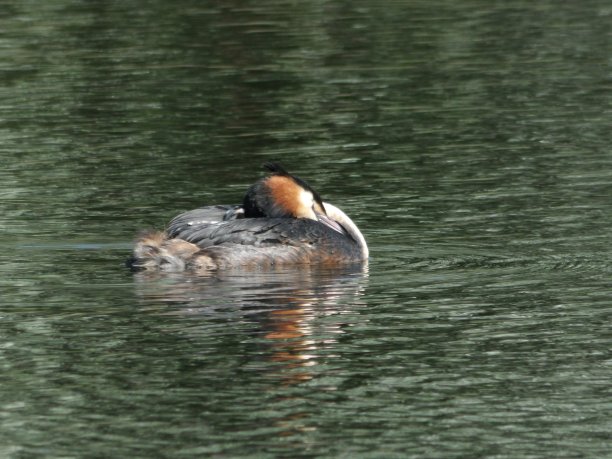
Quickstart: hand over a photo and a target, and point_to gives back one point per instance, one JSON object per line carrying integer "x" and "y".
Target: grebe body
{"x": 282, "y": 221}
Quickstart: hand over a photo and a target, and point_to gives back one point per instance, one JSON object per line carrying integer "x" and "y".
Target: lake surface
{"x": 469, "y": 140}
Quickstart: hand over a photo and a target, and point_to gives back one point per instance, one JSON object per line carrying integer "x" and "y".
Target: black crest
{"x": 276, "y": 168}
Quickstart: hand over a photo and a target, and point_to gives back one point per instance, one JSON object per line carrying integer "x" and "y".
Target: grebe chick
{"x": 282, "y": 221}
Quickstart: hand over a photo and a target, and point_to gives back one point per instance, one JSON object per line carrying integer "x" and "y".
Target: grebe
{"x": 282, "y": 221}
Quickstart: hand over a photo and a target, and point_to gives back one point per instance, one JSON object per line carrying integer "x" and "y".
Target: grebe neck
{"x": 336, "y": 214}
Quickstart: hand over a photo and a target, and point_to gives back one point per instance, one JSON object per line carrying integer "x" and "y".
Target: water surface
{"x": 470, "y": 142}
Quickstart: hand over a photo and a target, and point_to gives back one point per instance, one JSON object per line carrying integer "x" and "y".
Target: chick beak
{"x": 329, "y": 222}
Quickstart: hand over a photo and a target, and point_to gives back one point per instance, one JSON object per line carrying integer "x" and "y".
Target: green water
{"x": 470, "y": 141}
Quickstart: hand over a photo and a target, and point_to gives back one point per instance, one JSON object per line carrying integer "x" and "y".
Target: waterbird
{"x": 282, "y": 221}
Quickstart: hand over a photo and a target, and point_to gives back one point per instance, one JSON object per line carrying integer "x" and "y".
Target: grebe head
{"x": 282, "y": 195}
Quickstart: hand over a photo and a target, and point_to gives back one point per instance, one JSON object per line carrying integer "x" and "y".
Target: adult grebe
{"x": 282, "y": 221}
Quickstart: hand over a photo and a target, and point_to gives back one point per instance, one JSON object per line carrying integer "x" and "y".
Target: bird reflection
{"x": 288, "y": 307}
{"x": 284, "y": 303}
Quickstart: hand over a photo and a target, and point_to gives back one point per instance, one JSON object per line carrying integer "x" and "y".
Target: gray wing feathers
{"x": 202, "y": 215}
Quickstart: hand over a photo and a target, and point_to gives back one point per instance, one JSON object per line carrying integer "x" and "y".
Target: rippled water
{"x": 470, "y": 142}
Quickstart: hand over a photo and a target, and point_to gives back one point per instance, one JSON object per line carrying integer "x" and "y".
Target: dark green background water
{"x": 470, "y": 140}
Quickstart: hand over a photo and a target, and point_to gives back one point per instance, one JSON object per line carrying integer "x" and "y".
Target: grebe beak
{"x": 329, "y": 222}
